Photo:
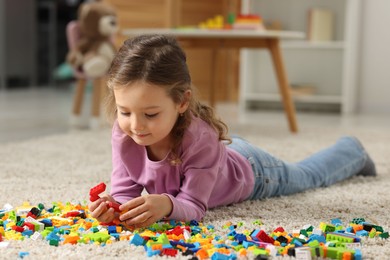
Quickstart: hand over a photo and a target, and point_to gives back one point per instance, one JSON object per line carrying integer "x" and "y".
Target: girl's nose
{"x": 136, "y": 124}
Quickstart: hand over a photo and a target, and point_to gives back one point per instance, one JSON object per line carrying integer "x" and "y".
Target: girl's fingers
{"x": 134, "y": 203}
{"x": 133, "y": 213}
{"x": 147, "y": 223}
{"x": 99, "y": 210}
{"x": 139, "y": 219}
{"x": 107, "y": 216}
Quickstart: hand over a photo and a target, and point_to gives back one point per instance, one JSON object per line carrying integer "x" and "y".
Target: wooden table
{"x": 237, "y": 39}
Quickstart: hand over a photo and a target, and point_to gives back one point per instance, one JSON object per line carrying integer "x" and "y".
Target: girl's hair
{"x": 159, "y": 60}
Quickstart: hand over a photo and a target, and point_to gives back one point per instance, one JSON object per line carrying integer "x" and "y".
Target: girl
{"x": 166, "y": 141}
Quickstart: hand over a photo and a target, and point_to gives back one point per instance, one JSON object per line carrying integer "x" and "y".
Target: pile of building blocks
{"x": 68, "y": 223}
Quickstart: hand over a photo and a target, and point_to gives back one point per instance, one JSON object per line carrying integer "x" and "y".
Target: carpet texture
{"x": 64, "y": 168}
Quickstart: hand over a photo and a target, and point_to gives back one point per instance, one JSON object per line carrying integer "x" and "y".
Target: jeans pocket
{"x": 255, "y": 169}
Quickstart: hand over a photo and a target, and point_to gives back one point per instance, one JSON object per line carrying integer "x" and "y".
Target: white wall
{"x": 374, "y": 76}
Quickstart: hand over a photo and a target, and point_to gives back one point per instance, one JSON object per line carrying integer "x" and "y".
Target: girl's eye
{"x": 151, "y": 115}
{"x": 125, "y": 114}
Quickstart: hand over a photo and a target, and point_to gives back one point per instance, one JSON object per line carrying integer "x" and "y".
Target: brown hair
{"x": 159, "y": 60}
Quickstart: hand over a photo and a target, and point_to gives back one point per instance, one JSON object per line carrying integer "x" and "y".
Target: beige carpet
{"x": 64, "y": 168}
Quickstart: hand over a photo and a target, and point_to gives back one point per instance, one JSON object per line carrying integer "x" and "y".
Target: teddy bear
{"x": 94, "y": 51}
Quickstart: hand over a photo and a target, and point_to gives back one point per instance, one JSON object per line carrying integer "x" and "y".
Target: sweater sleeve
{"x": 200, "y": 167}
{"x": 123, "y": 188}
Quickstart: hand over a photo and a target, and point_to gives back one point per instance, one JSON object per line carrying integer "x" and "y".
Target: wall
{"x": 17, "y": 37}
{"x": 374, "y": 94}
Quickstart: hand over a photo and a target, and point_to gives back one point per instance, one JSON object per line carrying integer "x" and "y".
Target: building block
{"x": 95, "y": 191}
{"x": 137, "y": 240}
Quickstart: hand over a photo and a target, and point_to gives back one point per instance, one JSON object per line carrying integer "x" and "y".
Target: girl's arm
{"x": 123, "y": 188}
{"x": 199, "y": 171}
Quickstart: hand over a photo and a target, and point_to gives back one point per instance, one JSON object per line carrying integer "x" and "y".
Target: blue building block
{"x": 362, "y": 233}
{"x": 23, "y": 254}
{"x": 336, "y": 221}
{"x": 137, "y": 240}
{"x": 316, "y": 237}
{"x": 357, "y": 255}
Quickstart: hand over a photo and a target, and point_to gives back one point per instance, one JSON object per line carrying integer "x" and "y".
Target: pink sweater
{"x": 211, "y": 174}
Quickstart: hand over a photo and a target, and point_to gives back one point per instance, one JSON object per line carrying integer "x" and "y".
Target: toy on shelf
{"x": 217, "y": 22}
{"x": 242, "y": 21}
{"x": 249, "y": 21}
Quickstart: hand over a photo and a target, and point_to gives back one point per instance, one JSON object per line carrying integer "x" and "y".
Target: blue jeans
{"x": 274, "y": 177}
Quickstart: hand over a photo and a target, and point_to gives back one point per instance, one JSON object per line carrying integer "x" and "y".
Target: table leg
{"x": 284, "y": 88}
{"x": 96, "y": 97}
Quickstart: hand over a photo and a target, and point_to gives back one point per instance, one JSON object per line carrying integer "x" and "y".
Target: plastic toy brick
{"x": 358, "y": 220}
{"x": 23, "y": 254}
{"x": 279, "y": 229}
{"x": 362, "y": 233}
{"x": 34, "y": 213}
{"x": 36, "y": 236}
{"x": 344, "y": 238}
{"x": 169, "y": 252}
{"x": 94, "y": 196}
{"x": 95, "y": 191}
{"x": 263, "y": 237}
{"x": 137, "y": 240}
{"x": 99, "y": 237}
{"x": 219, "y": 256}
{"x": 71, "y": 239}
{"x": 202, "y": 254}
{"x": 327, "y": 227}
{"x": 18, "y": 229}
{"x": 53, "y": 242}
{"x": 163, "y": 239}
{"x": 29, "y": 225}
{"x": 357, "y": 255}
{"x": 336, "y": 221}
{"x": 74, "y": 213}
{"x": 114, "y": 205}
{"x": 369, "y": 226}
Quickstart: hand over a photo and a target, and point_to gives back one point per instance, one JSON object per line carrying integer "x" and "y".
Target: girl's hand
{"x": 145, "y": 210}
{"x": 99, "y": 209}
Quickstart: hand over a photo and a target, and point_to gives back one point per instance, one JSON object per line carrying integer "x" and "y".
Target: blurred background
{"x": 338, "y": 73}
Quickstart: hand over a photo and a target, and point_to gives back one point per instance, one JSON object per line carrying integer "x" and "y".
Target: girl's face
{"x": 147, "y": 114}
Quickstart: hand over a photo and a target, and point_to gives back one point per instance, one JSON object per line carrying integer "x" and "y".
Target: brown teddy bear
{"x": 94, "y": 51}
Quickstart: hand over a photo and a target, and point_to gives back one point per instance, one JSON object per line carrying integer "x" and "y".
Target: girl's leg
{"x": 275, "y": 177}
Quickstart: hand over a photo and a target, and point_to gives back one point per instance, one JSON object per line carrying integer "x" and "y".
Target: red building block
{"x": 263, "y": 237}
{"x": 169, "y": 252}
{"x": 95, "y": 191}
{"x": 18, "y": 229}
{"x": 114, "y": 205}
{"x": 279, "y": 229}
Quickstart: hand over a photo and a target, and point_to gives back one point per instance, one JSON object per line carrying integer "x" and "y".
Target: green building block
{"x": 339, "y": 237}
{"x": 53, "y": 242}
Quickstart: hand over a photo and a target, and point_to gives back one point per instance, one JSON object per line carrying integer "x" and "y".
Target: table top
{"x": 216, "y": 33}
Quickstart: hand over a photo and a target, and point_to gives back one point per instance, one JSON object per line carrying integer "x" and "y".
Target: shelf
{"x": 319, "y": 99}
{"x": 330, "y": 66}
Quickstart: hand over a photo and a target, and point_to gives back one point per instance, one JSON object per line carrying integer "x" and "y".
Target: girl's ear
{"x": 186, "y": 102}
